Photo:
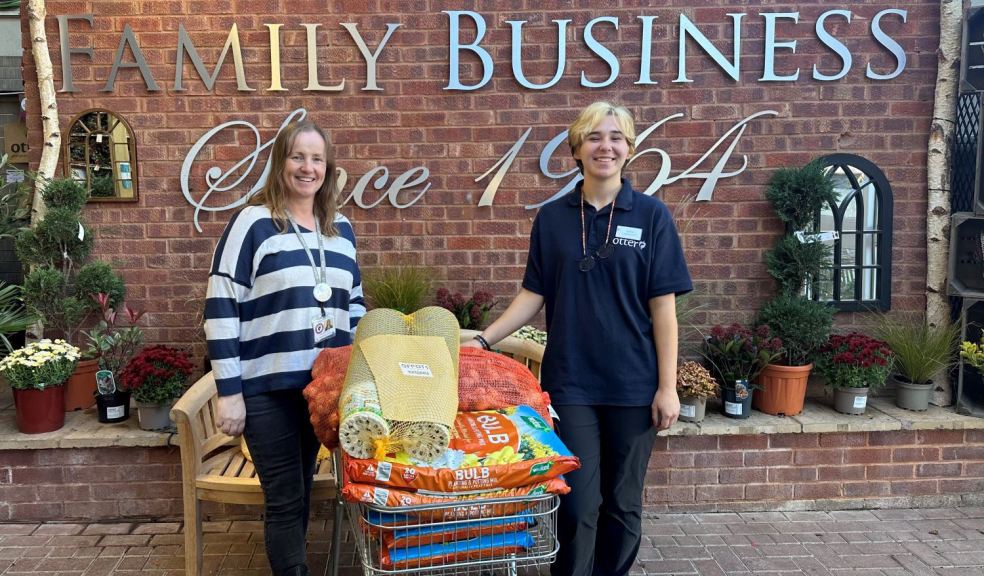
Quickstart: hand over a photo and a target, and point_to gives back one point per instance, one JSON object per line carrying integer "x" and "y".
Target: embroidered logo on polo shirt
{"x": 641, "y": 245}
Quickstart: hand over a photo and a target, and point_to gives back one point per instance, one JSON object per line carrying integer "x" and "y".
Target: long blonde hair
{"x": 273, "y": 195}
{"x": 591, "y": 116}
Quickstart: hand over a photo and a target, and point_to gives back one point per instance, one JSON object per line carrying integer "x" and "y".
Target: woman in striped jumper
{"x": 284, "y": 283}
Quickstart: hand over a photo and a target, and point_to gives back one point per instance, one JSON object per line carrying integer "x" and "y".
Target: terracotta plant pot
{"x": 782, "y": 389}
{"x": 850, "y": 400}
{"x": 39, "y": 411}
{"x": 81, "y": 386}
{"x": 692, "y": 409}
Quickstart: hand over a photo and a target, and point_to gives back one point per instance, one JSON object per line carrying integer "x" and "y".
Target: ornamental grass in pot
{"x": 694, "y": 386}
{"x": 921, "y": 352}
{"x": 735, "y": 355}
{"x": 156, "y": 377}
{"x": 37, "y": 373}
{"x": 854, "y": 365}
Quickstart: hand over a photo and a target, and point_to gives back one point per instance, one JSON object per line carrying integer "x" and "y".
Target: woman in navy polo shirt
{"x": 607, "y": 263}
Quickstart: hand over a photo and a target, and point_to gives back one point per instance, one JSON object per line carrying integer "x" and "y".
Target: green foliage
{"x": 920, "y": 350}
{"x": 13, "y": 316}
{"x": 803, "y": 325}
{"x": 54, "y": 241}
{"x": 65, "y": 193}
{"x": 60, "y": 286}
{"x": 103, "y": 187}
{"x": 403, "y": 288}
{"x": 792, "y": 263}
{"x": 797, "y": 194}
{"x": 98, "y": 277}
{"x": 15, "y": 203}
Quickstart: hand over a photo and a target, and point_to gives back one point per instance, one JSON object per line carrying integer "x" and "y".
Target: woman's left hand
{"x": 666, "y": 408}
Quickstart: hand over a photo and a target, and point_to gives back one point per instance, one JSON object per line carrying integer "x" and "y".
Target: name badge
{"x": 323, "y": 326}
{"x": 628, "y": 232}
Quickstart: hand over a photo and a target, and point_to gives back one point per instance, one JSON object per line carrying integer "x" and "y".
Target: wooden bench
{"x": 214, "y": 469}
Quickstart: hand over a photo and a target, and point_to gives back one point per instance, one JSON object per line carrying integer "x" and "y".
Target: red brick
{"x": 867, "y": 456}
{"x": 825, "y": 456}
{"x": 794, "y": 441}
{"x": 915, "y": 488}
{"x": 817, "y": 490}
{"x": 768, "y": 458}
{"x": 694, "y": 476}
{"x": 719, "y": 493}
{"x": 925, "y": 454}
{"x": 897, "y": 438}
{"x": 757, "y": 492}
{"x": 962, "y": 486}
{"x": 880, "y": 472}
{"x": 792, "y": 474}
{"x": 841, "y": 473}
{"x": 867, "y": 489}
{"x": 937, "y": 470}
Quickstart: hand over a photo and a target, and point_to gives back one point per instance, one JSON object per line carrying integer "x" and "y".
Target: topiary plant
{"x": 797, "y": 194}
{"x": 59, "y": 288}
{"x": 803, "y": 325}
{"x": 793, "y": 263}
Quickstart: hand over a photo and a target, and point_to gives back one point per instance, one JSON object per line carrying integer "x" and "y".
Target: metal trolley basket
{"x": 509, "y": 536}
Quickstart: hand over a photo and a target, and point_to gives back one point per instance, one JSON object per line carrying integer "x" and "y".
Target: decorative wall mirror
{"x": 101, "y": 153}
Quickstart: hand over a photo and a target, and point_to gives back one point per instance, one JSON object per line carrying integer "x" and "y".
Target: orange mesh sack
{"x": 489, "y": 381}
{"x": 328, "y": 376}
{"x": 490, "y": 450}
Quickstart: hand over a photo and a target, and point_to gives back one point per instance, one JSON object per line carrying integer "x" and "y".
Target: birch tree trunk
{"x": 938, "y": 177}
{"x": 36, "y": 13}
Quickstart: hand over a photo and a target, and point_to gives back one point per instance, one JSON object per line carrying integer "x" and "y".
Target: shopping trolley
{"x": 508, "y": 536}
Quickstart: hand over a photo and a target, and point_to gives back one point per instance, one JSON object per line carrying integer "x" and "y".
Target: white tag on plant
{"x": 819, "y": 237}
{"x": 81, "y": 232}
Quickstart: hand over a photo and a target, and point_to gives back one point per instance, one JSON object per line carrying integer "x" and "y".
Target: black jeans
{"x": 284, "y": 448}
{"x": 600, "y": 520}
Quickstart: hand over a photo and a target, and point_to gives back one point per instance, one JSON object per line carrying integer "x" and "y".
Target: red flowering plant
{"x": 471, "y": 313}
{"x": 157, "y": 374}
{"x": 854, "y": 361}
{"x": 736, "y": 353}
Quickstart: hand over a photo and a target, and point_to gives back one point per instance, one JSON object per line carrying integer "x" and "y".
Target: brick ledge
{"x": 83, "y": 430}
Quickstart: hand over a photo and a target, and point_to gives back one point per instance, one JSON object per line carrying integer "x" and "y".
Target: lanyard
{"x": 322, "y": 291}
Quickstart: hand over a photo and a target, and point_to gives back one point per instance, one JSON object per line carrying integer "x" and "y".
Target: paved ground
{"x": 914, "y": 542}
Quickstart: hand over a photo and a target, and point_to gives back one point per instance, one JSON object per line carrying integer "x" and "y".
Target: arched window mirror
{"x": 101, "y": 153}
{"x": 861, "y": 275}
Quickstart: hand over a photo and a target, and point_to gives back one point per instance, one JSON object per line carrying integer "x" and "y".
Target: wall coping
{"x": 83, "y": 430}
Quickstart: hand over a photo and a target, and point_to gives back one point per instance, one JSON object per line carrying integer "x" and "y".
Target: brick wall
{"x": 686, "y": 473}
{"x": 413, "y": 121}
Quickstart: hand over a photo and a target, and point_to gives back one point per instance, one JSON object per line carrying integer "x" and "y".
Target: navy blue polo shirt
{"x": 600, "y": 349}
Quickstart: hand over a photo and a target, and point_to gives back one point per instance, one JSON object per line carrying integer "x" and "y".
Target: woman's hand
{"x": 666, "y": 408}
{"x": 231, "y": 418}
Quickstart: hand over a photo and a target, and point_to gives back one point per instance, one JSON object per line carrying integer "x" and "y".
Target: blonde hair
{"x": 273, "y": 195}
{"x": 591, "y": 116}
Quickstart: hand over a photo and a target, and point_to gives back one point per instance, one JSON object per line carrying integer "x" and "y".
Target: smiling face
{"x": 603, "y": 151}
{"x": 304, "y": 169}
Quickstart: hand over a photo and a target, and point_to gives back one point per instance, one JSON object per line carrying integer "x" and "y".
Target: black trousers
{"x": 600, "y": 520}
{"x": 284, "y": 449}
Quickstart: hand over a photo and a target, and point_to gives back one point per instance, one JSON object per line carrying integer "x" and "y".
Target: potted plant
{"x": 403, "y": 288}
{"x": 797, "y": 195}
{"x": 471, "y": 313}
{"x": 804, "y": 326}
{"x": 694, "y": 386}
{"x": 921, "y": 352}
{"x": 37, "y": 374}
{"x": 735, "y": 356}
{"x": 854, "y": 365}
{"x": 59, "y": 282}
{"x": 113, "y": 346}
{"x": 156, "y": 377}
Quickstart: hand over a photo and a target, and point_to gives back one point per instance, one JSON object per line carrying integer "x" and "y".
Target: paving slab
{"x": 907, "y": 542}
